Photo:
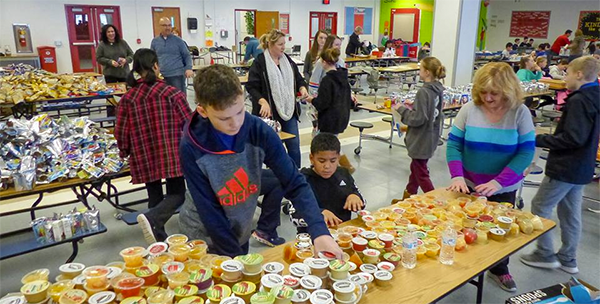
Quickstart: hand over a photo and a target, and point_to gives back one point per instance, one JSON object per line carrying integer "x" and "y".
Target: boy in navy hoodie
{"x": 222, "y": 153}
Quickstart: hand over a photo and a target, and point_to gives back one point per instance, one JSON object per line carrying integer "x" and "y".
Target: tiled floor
{"x": 381, "y": 174}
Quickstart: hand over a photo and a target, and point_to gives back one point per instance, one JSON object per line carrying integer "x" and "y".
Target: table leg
{"x": 35, "y": 204}
{"x": 479, "y": 285}
{"x": 75, "y": 251}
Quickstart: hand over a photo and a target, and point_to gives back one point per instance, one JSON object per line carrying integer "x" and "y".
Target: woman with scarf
{"x": 273, "y": 83}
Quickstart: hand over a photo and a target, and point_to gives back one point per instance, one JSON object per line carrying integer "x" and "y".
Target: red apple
{"x": 470, "y": 235}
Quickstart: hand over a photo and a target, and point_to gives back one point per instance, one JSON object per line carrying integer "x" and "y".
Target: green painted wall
{"x": 482, "y": 19}
{"x": 425, "y": 18}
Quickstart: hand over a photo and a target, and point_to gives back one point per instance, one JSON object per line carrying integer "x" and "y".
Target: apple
{"x": 470, "y": 235}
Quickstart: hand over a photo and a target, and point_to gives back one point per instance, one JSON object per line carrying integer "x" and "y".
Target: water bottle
{"x": 448, "y": 244}
{"x": 409, "y": 250}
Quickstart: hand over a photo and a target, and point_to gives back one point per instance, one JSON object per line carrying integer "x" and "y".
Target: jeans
{"x": 292, "y": 145}
{"x": 567, "y": 198}
{"x": 161, "y": 207}
{"x": 510, "y": 197}
{"x": 419, "y": 177}
{"x": 269, "y": 218}
{"x": 178, "y": 82}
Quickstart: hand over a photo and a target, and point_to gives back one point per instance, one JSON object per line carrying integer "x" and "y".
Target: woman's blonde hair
{"x": 435, "y": 67}
{"x": 331, "y": 56}
{"x": 499, "y": 77}
{"x": 270, "y": 38}
{"x": 578, "y": 33}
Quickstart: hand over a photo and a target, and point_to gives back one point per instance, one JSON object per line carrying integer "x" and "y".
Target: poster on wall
{"x": 589, "y": 23}
{"x": 358, "y": 16}
{"x": 284, "y": 23}
{"x": 533, "y": 24}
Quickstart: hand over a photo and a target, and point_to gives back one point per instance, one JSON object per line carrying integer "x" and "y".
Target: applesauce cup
{"x": 36, "y": 275}
{"x": 35, "y": 291}
{"x": 198, "y": 251}
{"x": 178, "y": 279}
{"x": 162, "y": 259}
{"x": 180, "y": 252}
{"x": 96, "y": 277}
{"x": 162, "y": 297}
{"x": 133, "y": 256}
{"x": 177, "y": 239}
{"x": 57, "y": 289}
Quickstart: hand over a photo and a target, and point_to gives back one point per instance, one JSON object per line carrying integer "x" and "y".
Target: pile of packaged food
{"x": 65, "y": 226}
{"x": 534, "y": 87}
{"x": 25, "y": 84}
{"x": 43, "y": 150}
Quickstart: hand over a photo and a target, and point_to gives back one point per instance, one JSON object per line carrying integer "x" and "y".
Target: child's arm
{"x": 208, "y": 207}
{"x": 354, "y": 201}
{"x": 418, "y": 115}
{"x": 577, "y": 128}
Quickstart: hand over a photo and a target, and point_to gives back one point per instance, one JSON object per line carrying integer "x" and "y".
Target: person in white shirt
{"x": 507, "y": 50}
{"x": 390, "y": 51}
{"x": 559, "y": 71}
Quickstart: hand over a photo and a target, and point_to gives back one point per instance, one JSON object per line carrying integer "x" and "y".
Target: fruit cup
{"x": 218, "y": 292}
{"x": 57, "y": 289}
{"x": 157, "y": 248}
{"x": 344, "y": 239}
{"x": 383, "y": 278}
{"x": 198, "y": 251}
{"x": 96, "y": 277}
{"x": 504, "y": 222}
{"x": 36, "y": 275}
{"x": 73, "y": 296}
{"x": 130, "y": 287}
{"x": 71, "y": 270}
{"x": 177, "y": 239}
{"x": 432, "y": 249}
{"x": 304, "y": 254}
{"x": 339, "y": 269}
{"x": 252, "y": 262}
{"x": 162, "y": 259}
{"x": 178, "y": 279}
{"x": 392, "y": 258}
{"x": 113, "y": 282}
{"x": 344, "y": 290}
{"x": 497, "y": 234}
{"x": 161, "y": 297}
{"x": 387, "y": 239}
{"x": 273, "y": 267}
{"x": 311, "y": 283}
{"x": 149, "y": 273}
{"x": 482, "y": 234}
{"x": 319, "y": 267}
{"x": 185, "y": 291}
{"x": 262, "y": 297}
{"x": 461, "y": 243}
{"x": 180, "y": 252}
{"x": 202, "y": 278}
{"x": 283, "y": 294}
{"x": 232, "y": 270}
{"x": 35, "y": 291}
{"x": 244, "y": 290}
{"x": 104, "y": 297}
{"x": 421, "y": 251}
{"x": 133, "y": 256}
{"x": 359, "y": 243}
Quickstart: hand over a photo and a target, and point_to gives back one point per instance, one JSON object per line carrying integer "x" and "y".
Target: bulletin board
{"x": 533, "y": 24}
{"x": 589, "y": 23}
{"x": 358, "y": 16}
{"x": 284, "y": 23}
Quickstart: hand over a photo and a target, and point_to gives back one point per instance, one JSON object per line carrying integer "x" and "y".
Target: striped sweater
{"x": 480, "y": 151}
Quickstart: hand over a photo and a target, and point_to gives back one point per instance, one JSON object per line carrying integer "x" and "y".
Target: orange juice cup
{"x": 344, "y": 239}
{"x": 178, "y": 279}
{"x": 130, "y": 287}
{"x": 96, "y": 277}
{"x": 432, "y": 249}
{"x": 115, "y": 280}
{"x": 198, "y": 251}
{"x": 180, "y": 252}
{"x": 57, "y": 289}
{"x": 177, "y": 239}
{"x": 304, "y": 254}
{"x": 133, "y": 256}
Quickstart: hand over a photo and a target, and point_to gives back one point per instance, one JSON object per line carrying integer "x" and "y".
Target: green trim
{"x": 425, "y": 18}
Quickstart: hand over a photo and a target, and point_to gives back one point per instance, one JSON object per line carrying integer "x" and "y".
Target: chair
{"x": 296, "y": 50}
{"x": 361, "y": 126}
{"x": 373, "y": 81}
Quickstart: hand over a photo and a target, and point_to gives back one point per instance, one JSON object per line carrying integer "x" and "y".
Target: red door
{"x": 404, "y": 24}
{"x": 326, "y": 21}
{"x": 84, "y": 24}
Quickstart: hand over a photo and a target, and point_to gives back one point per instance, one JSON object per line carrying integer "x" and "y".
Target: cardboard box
{"x": 560, "y": 293}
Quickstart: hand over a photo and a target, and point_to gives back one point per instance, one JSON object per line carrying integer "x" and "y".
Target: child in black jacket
{"x": 333, "y": 185}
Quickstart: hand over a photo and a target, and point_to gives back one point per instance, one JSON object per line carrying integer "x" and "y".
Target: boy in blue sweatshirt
{"x": 222, "y": 153}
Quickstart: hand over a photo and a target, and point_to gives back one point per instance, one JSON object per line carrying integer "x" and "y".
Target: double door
{"x": 84, "y": 24}
{"x": 326, "y": 21}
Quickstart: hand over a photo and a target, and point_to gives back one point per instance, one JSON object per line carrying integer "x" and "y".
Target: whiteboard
{"x": 404, "y": 25}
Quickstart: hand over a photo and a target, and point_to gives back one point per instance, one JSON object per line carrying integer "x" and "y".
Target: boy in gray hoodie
{"x": 423, "y": 118}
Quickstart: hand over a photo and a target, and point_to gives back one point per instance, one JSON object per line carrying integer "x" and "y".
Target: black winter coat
{"x": 334, "y": 101}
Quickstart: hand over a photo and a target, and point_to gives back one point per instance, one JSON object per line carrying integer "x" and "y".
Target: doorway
{"x": 266, "y": 21}
{"x": 84, "y": 25}
{"x": 326, "y": 21}
{"x": 405, "y": 24}
{"x": 245, "y": 25}
{"x": 170, "y": 12}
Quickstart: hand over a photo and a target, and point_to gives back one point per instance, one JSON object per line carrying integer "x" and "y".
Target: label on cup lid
{"x": 79, "y": 280}
{"x": 71, "y": 267}
{"x": 134, "y": 300}
{"x": 34, "y": 287}
{"x": 311, "y": 282}
{"x": 299, "y": 269}
{"x": 420, "y": 234}
{"x": 486, "y": 218}
{"x": 368, "y": 268}
{"x": 386, "y": 237}
{"x": 368, "y": 218}
{"x": 359, "y": 241}
{"x": 368, "y": 234}
{"x": 327, "y": 255}
{"x": 398, "y": 210}
{"x": 133, "y": 250}
{"x": 497, "y": 231}
{"x": 244, "y": 288}
{"x": 271, "y": 280}
{"x": 186, "y": 290}
{"x": 301, "y": 295}
{"x": 201, "y": 275}
{"x": 102, "y": 297}
{"x": 251, "y": 258}
{"x": 321, "y": 296}
{"x": 191, "y": 300}
{"x": 383, "y": 275}
{"x": 387, "y": 266}
{"x": 318, "y": 263}
{"x": 218, "y": 292}
{"x": 283, "y": 292}
{"x": 392, "y": 256}
{"x": 73, "y": 296}
{"x": 363, "y": 212}
{"x": 262, "y": 297}
{"x": 233, "y": 300}
{"x": 115, "y": 271}
{"x": 504, "y": 220}
{"x": 339, "y": 265}
{"x": 303, "y": 237}
{"x": 172, "y": 267}
{"x": 367, "y": 276}
{"x": 371, "y": 252}
{"x": 157, "y": 248}
{"x": 273, "y": 267}
{"x": 232, "y": 266}
{"x": 343, "y": 286}
{"x": 146, "y": 270}
{"x": 13, "y": 300}
{"x": 376, "y": 244}
{"x": 352, "y": 266}
{"x": 358, "y": 279}
{"x": 290, "y": 281}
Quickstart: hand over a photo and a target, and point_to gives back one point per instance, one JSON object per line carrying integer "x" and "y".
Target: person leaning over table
{"x": 114, "y": 54}
{"x": 354, "y": 45}
{"x": 173, "y": 56}
{"x": 560, "y": 41}
{"x": 150, "y": 117}
{"x": 314, "y": 53}
{"x": 252, "y": 49}
{"x": 577, "y": 45}
{"x": 273, "y": 81}
{"x": 491, "y": 144}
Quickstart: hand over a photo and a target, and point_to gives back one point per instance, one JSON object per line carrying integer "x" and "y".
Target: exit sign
{"x": 326, "y": 2}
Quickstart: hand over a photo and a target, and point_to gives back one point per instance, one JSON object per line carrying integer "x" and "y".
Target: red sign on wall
{"x": 533, "y": 24}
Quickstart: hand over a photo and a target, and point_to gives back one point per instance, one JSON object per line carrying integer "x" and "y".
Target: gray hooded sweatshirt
{"x": 423, "y": 121}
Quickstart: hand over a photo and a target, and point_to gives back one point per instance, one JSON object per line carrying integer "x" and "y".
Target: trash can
{"x": 48, "y": 58}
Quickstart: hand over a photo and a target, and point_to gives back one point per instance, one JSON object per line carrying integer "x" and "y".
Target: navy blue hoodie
{"x": 225, "y": 184}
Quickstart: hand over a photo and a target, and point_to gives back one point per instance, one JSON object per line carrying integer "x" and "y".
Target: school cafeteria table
{"x": 431, "y": 281}
{"x": 555, "y": 84}
{"x": 374, "y": 59}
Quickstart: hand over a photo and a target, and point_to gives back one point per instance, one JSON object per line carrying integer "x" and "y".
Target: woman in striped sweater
{"x": 491, "y": 144}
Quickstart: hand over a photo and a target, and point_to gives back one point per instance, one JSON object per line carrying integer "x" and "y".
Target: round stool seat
{"x": 536, "y": 170}
{"x": 387, "y": 119}
{"x": 552, "y": 114}
{"x": 361, "y": 125}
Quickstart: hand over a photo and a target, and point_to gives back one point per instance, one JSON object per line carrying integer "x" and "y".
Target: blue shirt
{"x": 173, "y": 55}
{"x": 590, "y": 84}
{"x": 226, "y": 140}
{"x": 252, "y": 50}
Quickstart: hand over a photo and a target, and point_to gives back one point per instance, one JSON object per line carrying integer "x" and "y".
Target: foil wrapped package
{"x": 275, "y": 125}
{"x": 62, "y": 227}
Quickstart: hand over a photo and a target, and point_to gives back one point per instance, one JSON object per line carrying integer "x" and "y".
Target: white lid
{"x": 504, "y": 219}
{"x": 271, "y": 280}
{"x": 368, "y": 234}
{"x": 343, "y": 286}
{"x": 352, "y": 266}
{"x": 157, "y": 248}
{"x": 318, "y": 263}
{"x": 383, "y": 275}
{"x": 232, "y": 266}
{"x": 387, "y": 266}
{"x": 79, "y": 280}
{"x": 311, "y": 282}
{"x": 359, "y": 240}
{"x": 367, "y": 276}
{"x": 273, "y": 267}
{"x": 368, "y": 268}
{"x": 498, "y": 231}
{"x": 371, "y": 252}
{"x": 301, "y": 295}
{"x": 358, "y": 279}
{"x": 233, "y": 300}
{"x": 299, "y": 269}
{"x": 386, "y": 237}
{"x": 113, "y": 272}
{"x": 291, "y": 281}
{"x": 71, "y": 267}
{"x": 102, "y": 297}
{"x": 321, "y": 296}
{"x": 16, "y": 299}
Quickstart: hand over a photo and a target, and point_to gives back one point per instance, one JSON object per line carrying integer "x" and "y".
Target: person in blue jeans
{"x": 252, "y": 48}
{"x": 570, "y": 166}
{"x": 173, "y": 56}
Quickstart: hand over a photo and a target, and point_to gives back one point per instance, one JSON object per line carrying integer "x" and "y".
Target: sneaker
{"x": 535, "y": 260}
{"x": 505, "y": 281}
{"x": 264, "y": 238}
{"x": 144, "y": 223}
{"x": 569, "y": 270}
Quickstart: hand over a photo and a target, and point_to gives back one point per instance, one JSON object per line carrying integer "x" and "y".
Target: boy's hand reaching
{"x": 326, "y": 243}
{"x": 330, "y": 218}
{"x": 353, "y": 203}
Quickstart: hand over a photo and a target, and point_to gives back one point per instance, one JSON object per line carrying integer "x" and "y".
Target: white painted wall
{"x": 564, "y": 15}
{"x": 446, "y": 17}
{"x": 48, "y": 22}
